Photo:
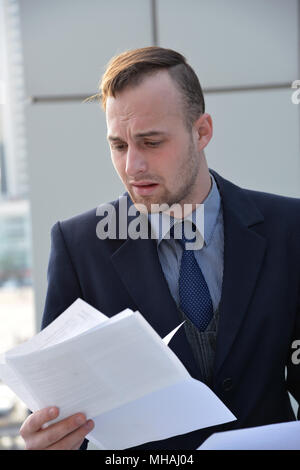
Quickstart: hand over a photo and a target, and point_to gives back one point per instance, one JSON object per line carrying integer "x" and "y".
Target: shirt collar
{"x": 160, "y": 224}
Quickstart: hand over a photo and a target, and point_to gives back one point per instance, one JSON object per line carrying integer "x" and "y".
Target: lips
{"x": 144, "y": 188}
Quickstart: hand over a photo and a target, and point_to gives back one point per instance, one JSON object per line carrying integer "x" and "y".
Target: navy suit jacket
{"x": 259, "y": 308}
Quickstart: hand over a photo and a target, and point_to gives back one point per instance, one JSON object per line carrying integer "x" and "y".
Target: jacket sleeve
{"x": 63, "y": 284}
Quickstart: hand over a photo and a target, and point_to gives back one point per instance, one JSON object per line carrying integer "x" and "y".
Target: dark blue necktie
{"x": 194, "y": 297}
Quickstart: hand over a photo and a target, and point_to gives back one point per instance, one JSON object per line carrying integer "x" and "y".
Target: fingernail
{"x": 52, "y": 412}
{"x": 80, "y": 420}
{"x": 90, "y": 424}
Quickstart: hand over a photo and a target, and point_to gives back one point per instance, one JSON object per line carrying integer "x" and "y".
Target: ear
{"x": 203, "y": 130}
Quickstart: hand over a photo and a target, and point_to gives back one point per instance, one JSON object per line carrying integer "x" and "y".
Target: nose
{"x": 135, "y": 162}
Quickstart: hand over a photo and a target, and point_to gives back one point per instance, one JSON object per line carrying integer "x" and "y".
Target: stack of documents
{"x": 118, "y": 371}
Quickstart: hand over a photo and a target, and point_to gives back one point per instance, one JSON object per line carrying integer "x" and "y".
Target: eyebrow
{"x": 139, "y": 135}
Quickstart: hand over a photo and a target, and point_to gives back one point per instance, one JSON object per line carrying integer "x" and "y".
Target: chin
{"x": 144, "y": 202}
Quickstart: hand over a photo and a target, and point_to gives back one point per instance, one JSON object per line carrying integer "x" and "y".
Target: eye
{"x": 153, "y": 143}
{"x": 119, "y": 147}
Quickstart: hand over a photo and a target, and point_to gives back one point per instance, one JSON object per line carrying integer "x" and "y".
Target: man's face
{"x": 155, "y": 155}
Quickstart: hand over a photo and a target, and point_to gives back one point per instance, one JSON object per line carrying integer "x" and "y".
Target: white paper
{"x": 169, "y": 336}
{"x": 111, "y": 364}
{"x": 180, "y": 408}
{"x": 117, "y": 371}
{"x": 281, "y": 436}
{"x": 76, "y": 319}
{"x": 79, "y": 317}
{"x": 10, "y": 378}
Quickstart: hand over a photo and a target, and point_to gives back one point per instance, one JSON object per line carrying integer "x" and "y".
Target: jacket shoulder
{"x": 279, "y": 204}
{"x": 281, "y": 213}
{"x": 82, "y": 223}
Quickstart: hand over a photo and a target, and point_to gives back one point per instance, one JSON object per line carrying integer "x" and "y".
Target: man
{"x": 239, "y": 294}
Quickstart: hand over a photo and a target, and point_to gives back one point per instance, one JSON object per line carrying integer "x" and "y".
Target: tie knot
{"x": 184, "y": 232}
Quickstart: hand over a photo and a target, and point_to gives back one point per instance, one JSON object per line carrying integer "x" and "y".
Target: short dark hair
{"x": 130, "y": 67}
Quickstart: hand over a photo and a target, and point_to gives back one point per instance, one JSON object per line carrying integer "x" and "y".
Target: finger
{"x": 55, "y": 432}
{"x": 35, "y": 421}
{"x": 77, "y": 445}
{"x": 73, "y": 440}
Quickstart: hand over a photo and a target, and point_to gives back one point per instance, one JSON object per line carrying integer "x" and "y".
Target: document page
{"x": 76, "y": 319}
{"x": 180, "y": 408}
{"x": 281, "y": 436}
{"x": 113, "y": 363}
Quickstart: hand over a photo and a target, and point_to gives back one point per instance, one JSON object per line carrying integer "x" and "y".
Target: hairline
{"x": 187, "y": 118}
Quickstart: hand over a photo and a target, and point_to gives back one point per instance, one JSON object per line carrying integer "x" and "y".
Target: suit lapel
{"x": 138, "y": 266}
{"x": 244, "y": 251}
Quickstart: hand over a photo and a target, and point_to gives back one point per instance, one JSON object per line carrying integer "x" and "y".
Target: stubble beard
{"x": 185, "y": 181}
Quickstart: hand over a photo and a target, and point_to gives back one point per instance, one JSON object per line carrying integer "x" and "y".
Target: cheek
{"x": 167, "y": 159}
{"x": 171, "y": 162}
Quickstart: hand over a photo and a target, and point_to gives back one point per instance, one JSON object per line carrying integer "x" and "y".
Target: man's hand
{"x": 67, "y": 434}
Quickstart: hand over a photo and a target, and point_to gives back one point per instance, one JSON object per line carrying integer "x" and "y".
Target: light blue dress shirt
{"x": 209, "y": 257}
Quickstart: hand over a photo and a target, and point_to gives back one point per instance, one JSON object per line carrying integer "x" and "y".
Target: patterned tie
{"x": 194, "y": 297}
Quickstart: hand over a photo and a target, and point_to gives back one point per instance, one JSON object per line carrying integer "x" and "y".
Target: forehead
{"x": 155, "y": 100}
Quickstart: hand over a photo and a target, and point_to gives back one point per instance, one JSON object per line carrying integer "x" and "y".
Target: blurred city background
{"x": 16, "y": 283}
{"x": 54, "y": 160}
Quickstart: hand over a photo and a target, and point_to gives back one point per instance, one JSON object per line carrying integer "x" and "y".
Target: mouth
{"x": 144, "y": 188}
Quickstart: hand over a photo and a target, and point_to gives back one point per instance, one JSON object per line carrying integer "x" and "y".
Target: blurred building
{"x": 13, "y": 158}
{"x": 16, "y": 292}
{"x": 15, "y": 243}
{"x": 3, "y": 181}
